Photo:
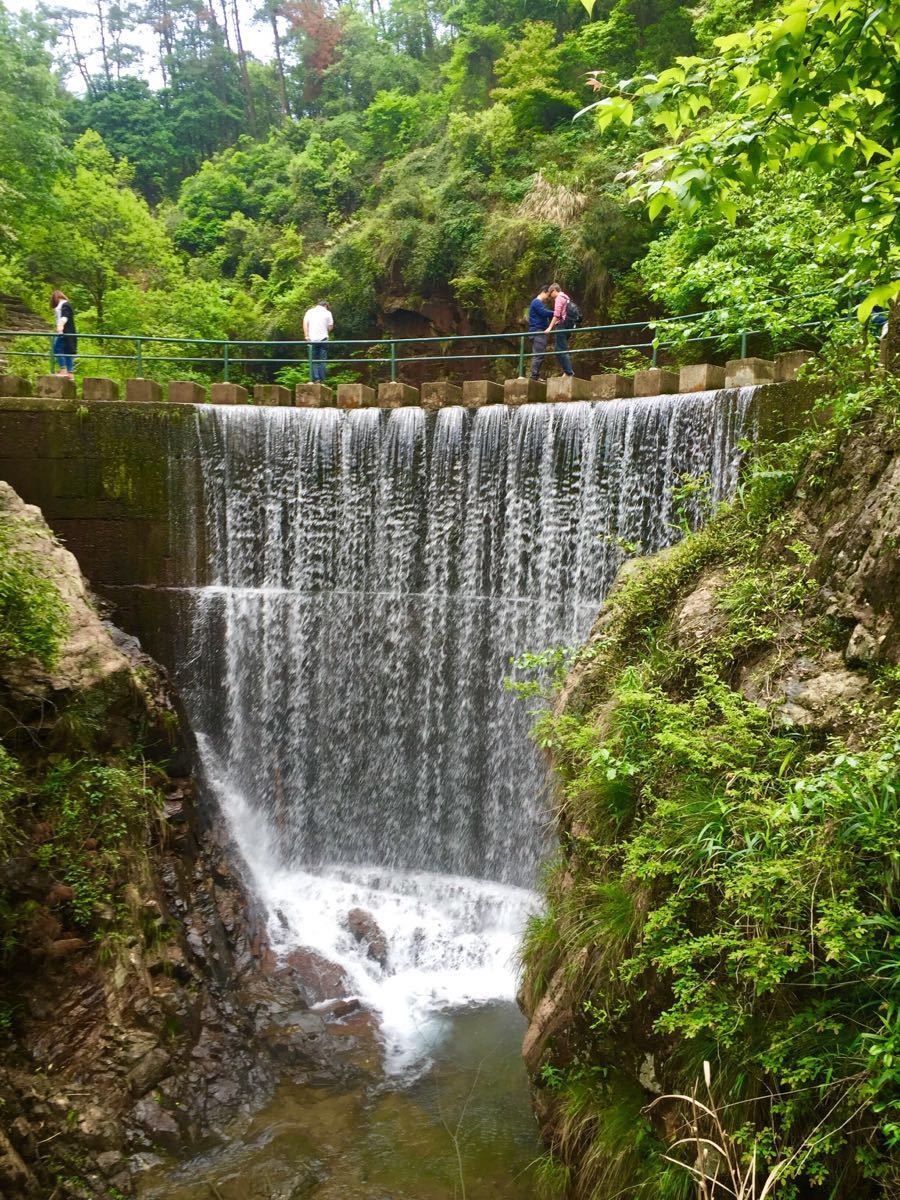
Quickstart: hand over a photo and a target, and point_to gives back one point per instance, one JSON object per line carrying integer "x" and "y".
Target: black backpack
{"x": 574, "y": 315}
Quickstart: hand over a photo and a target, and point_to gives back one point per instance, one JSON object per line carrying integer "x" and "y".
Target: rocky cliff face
{"x": 727, "y": 749}
{"x": 140, "y": 1006}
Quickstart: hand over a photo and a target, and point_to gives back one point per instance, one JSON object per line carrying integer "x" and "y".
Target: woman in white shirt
{"x": 65, "y": 344}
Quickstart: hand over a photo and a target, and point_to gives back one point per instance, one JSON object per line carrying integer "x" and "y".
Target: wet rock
{"x": 367, "y": 931}
{"x": 160, "y": 1126}
{"x": 42, "y": 929}
{"x": 317, "y": 977}
{"x": 96, "y": 1126}
{"x": 818, "y": 696}
{"x": 88, "y": 659}
{"x": 553, "y": 1014}
{"x": 60, "y": 893}
{"x": 340, "y": 1008}
{"x": 64, "y": 947}
{"x": 109, "y": 1161}
{"x": 697, "y": 618}
{"x": 647, "y": 1076}
{"x": 15, "y": 1176}
{"x": 862, "y": 648}
{"x": 20, "y": 879}
{"x": 148, "y": 1071}
{"x": 139, "y": 1163}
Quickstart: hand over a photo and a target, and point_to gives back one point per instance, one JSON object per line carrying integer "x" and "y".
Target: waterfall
{"x": 364, "y": 579}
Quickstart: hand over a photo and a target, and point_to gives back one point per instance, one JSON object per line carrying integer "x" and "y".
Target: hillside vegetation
{"x": 419, "y": 164}
{"x": 722, "y": 920}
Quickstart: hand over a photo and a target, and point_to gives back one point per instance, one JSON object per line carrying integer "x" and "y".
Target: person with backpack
{"x": 65, "y": 343}
{"x": 566, "y": 315}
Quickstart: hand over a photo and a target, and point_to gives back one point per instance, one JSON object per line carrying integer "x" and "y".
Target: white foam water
{"x": 363, "y": 581}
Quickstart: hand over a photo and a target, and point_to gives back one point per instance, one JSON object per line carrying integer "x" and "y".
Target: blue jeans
{"x": 562, "y": 352}
{"x": 66, "y": 361}
{"x": 317, "y": 366}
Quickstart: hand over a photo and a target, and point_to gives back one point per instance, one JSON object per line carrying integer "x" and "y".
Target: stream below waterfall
{"x": 466, "y": 1120}
{"x": 362, "y": 582}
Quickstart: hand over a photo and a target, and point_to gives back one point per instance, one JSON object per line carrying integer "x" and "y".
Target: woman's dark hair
{"x": 56, "y": 297}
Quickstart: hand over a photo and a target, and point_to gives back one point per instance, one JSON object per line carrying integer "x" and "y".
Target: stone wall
{"x": 102, "y": 474}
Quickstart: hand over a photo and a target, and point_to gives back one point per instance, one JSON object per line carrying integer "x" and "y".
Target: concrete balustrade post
{"x": 567, "y": 387}
{"x": 356, "y": 395}
{"x": 100, "y": 389}
{"x": 655, "y": 382}
{"x": 314, "y": 395}
{"x": 701, "y": 377}
{"x": 610, "y": 386}
{"x": 397, "y": 395}
{"x": 789, "y": 363}
{"x": 142, "y": 391}
{"x": 14, "y": 385}
{"x": 524, "y": 391}
{"x": 440, "y": 394}
{"x": 228, "y": 393}
{"x": 747, "y": 372}
{"x": 185, "y": 391}
{"x": 269, "y": 395}
{"x": 478, "y": 392}
{"x": 56, "y": 387}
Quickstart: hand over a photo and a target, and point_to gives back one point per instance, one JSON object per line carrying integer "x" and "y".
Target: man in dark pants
{"x": 560, "y": 324}
{"x": 539, "y": 317}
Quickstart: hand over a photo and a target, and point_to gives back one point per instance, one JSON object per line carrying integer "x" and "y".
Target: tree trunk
{"x": 77, "y": 55}
{"x": 889, "y": 345}
{"x": 224, "y": 7}
{"x": 282, "y": 86}
{"x": 242, "y": 63}
{"x": 101, "y": 28}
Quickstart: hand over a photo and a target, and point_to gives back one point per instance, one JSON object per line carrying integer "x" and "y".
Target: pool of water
{"x": 462, "y": 1130}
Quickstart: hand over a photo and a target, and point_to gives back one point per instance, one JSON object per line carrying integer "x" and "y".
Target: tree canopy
{"x": 420, "y": 162}
{"x": 814, "y": 88}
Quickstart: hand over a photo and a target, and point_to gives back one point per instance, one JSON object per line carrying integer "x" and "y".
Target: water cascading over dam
{"x": 365, "y": 578}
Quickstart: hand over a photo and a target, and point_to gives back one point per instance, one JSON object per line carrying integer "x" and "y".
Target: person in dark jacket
{"x": 539, "y": 317}
{"x": 65, "y": 344}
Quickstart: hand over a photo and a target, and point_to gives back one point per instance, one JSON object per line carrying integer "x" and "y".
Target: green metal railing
{"x": 231, "y": 355}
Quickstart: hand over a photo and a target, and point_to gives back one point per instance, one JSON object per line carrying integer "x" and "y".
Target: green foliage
{"x": 423, "y": 160}
{"x": 30, "y": 123}
{"x": 110, "y": 232}
{"x": 812, "y": 88}
{"x": 32, "y": 613}
{"x": 109, "y": 803}
{"x": 11, "y": 781}
{"x": 729, "y": 890}
{"x": 782, "y": 242}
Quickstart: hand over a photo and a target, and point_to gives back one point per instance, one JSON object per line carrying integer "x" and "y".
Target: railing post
{"x": 309, "y": 360}
{"x": 743, "y": 353}
{"x": 655, "y": 353}
{"x": 139, "y": 355}
{"x": 393, "y": 346}
{"x": 52, "y": 359}
{"x": 225, "y": 361}
{"x": 522, "y": 356}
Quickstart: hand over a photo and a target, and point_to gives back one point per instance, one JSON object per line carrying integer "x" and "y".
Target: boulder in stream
{"x": 366, "y": 930}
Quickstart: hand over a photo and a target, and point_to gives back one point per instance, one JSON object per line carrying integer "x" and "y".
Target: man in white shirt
{"x": 317, "y": 324}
